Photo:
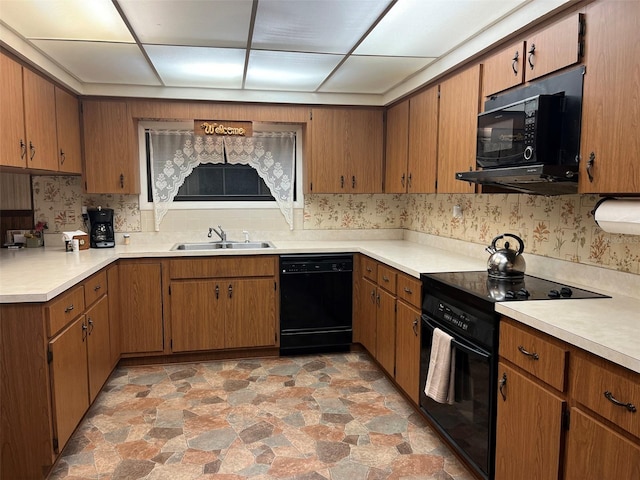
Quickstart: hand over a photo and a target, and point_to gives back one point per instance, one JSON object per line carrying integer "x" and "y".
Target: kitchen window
{"x": 185, "y": 171}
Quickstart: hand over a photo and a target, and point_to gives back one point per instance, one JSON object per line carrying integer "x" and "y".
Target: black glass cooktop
{"x": 479, "y": 284}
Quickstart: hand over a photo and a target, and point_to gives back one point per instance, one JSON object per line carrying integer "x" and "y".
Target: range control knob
{"x": 523, "y": 293}
{"x": 528, "y": 153}
{"x": 553, "y": 294}
{"x": 566, "y": 292}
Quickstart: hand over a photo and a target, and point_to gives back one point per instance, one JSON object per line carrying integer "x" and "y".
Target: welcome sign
{"x": 223, "y": 128}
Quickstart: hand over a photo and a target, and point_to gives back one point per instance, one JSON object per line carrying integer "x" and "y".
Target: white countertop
{"x": 606, "y": 327}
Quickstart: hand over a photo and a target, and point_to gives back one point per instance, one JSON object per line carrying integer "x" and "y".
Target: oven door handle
{"x": 457, "y": 343}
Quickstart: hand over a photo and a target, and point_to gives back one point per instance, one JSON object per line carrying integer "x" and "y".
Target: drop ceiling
{"x": 313, "y": 51}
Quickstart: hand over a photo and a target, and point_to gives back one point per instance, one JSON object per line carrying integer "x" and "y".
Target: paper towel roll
{"x": 619, "y": 216}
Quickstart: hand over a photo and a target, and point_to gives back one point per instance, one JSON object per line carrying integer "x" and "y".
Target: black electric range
{"x": 462, "y": 305}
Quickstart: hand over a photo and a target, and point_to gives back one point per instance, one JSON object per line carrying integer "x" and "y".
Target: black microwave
{"x": 527, "y": 132}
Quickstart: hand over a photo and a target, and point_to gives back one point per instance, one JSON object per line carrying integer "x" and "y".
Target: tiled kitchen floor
{"x": 310, "y": 417}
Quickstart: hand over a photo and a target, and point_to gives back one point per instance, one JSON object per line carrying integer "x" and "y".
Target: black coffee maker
{"x": 101, "y": 221}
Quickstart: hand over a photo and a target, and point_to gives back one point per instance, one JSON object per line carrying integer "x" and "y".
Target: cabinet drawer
{"x": 95, "y": 287}
{"x": 534, "y": 353}
{"x": 369, "y": 269}
{"x": 229, "y": 266}
{"x": 590, "y": 382}
{"x": 387, "y": 278}
{"x": 409, "y": 290}
{"x": 63, "y": 309}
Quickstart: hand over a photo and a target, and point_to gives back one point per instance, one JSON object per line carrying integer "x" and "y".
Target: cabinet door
{"x": 459, "y": 103}
{"x": 197, "y": 315}
{"x": 98, "y": 346}
{"x": 364, "y": 325}
{"x": 554, "y": 47}
{"x": 386, "y": 330}
{"x": 503, "y": 70}
{"x": 611, "y": 85}
{"x": 250, "y": 313}
{"x": 408, "y": 350}
{"x": 12, "y": 136}
{"x": 423, "y": 142}
{"x": 141, "y": 327}
{"x": 68, "y": 127}
{"x": 114, "y": 313}
{"x": 397, "y": 148}
{"x": 529, "y": 429}
{"x": 346, "y": 150}
{"x": 40, "y": 122}
{"x": 111, "y": 163}
{"x": 69, "y": 387}
{"x": 596, "y": 451}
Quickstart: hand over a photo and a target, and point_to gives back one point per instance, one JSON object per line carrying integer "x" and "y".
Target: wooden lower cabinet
{"x": 596, "y": 451}
{"x": 141, "y": 320}
{"x": 69, "y": 374}
{"x": 408, "y": 349}
{"x": 364, "y": 318}
{"x": 98, "y": 346}
{"x": 529, "y": 430}
{"x": 386, "y": 330}
{"x": 230, "y": 311}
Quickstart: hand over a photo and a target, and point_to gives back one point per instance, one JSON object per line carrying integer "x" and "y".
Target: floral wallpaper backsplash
{"x": 560, "y": 227}
{"x": 58, "y": 200}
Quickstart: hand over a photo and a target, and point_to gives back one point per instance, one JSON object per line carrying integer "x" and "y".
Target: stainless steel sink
{"x": 221, "y": 245}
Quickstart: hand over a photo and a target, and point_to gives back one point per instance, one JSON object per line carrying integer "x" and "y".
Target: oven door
{"x": 467, "y": 422}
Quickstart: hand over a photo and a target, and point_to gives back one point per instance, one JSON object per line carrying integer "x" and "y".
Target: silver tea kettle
{"x": 506, "y": 263}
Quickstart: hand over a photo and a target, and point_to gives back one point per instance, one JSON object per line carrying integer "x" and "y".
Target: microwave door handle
{"x": 461, "y": 346}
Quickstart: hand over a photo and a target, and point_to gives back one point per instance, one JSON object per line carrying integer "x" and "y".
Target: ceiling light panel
{"x": 220, "y": 23}
{"x": 317, "y": 26}
{"x": 373, "y": 75}
{"x": 96, "y": 20}
{"x": 293, "y": 71}
{"x": 430, "y": 28}
{"x": 96, "y": 62}
{"x": 198, "y": 66}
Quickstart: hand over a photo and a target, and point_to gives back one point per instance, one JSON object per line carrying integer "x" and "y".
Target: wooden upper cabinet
{"x": 40, "y": 121}
{"x": 12, "y": 135}
{"x": 459, "y": 104}
{"x": 503, "y": 70}
{"x": 555, "y": 47}
{"x": 423, "y": 142}
{"x": 397, "y": 148}
{"x": 110, "y": 159}
{"x": 346, "y": 150}
{"x": 610, "y": 115}
{"x": 68, "y": 126}
{"x": 412, "y": 144}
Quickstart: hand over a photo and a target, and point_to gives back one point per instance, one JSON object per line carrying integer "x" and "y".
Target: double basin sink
{"x": 222, "y": 245}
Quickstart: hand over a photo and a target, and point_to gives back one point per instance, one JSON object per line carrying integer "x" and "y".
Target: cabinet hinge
{"x": 49, "y": 356}
{"x": 169, "y": 289}
{"x": 55, "y": 445}
{"x": 171, "y": 344}
{"x": 275, "y": 286}
{"x": 310, "y": 114}
{"x": 395, "y": 307}
{"x": 566, "y": 417}
{"x": 311, "y": 187}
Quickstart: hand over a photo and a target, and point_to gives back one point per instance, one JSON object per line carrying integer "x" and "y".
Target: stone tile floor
{"x": 332, "y": 416}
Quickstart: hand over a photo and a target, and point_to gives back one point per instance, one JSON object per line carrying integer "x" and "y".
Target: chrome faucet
{"x": 222, "y": 234}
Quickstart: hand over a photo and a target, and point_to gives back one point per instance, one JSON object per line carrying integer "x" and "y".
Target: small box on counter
{"x": 69, "y": 239}
{"x": 83, "y": 241}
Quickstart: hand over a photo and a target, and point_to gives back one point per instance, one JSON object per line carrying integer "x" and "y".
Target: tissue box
{"x": 83, "y": 240}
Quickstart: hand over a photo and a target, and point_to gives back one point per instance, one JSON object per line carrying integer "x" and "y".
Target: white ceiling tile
{"x": 321, "y": 26}
{"x": 373, "y": 74}
{"x": 120, "y": 63}
{"x": 198, "y": 66}
{"x": 430, "y": 28}
{"x": 219, "y": 23}
{"x": 289, "y": 70}
{"x": 96, "y": 20}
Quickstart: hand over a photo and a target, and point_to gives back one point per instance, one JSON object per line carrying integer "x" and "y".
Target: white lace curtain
{"x": 175, "y": 153}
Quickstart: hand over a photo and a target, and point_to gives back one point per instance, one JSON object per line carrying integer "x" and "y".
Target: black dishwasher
{"x": 315, "y": 303}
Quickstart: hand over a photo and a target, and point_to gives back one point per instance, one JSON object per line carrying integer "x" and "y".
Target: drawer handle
{"x": 90, "y": 326}
{"x": 68, "y": 309}
{"x": 96, "y": 288}
{"x": 415, "y": 326}
{"x": 385, "y": 278}
{"x": 369, "y": 269}
{"x": 535, "y": 356}
{"x": 408, "y": 290}
{"x": 629, "y": 406}
{"x": 502, "y": 384}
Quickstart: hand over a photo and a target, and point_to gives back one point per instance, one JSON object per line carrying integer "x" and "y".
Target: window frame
{"x": 145, "y": 204}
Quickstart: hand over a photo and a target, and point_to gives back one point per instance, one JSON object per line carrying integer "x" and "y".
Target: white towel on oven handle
{"x": 440, "y": 383}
